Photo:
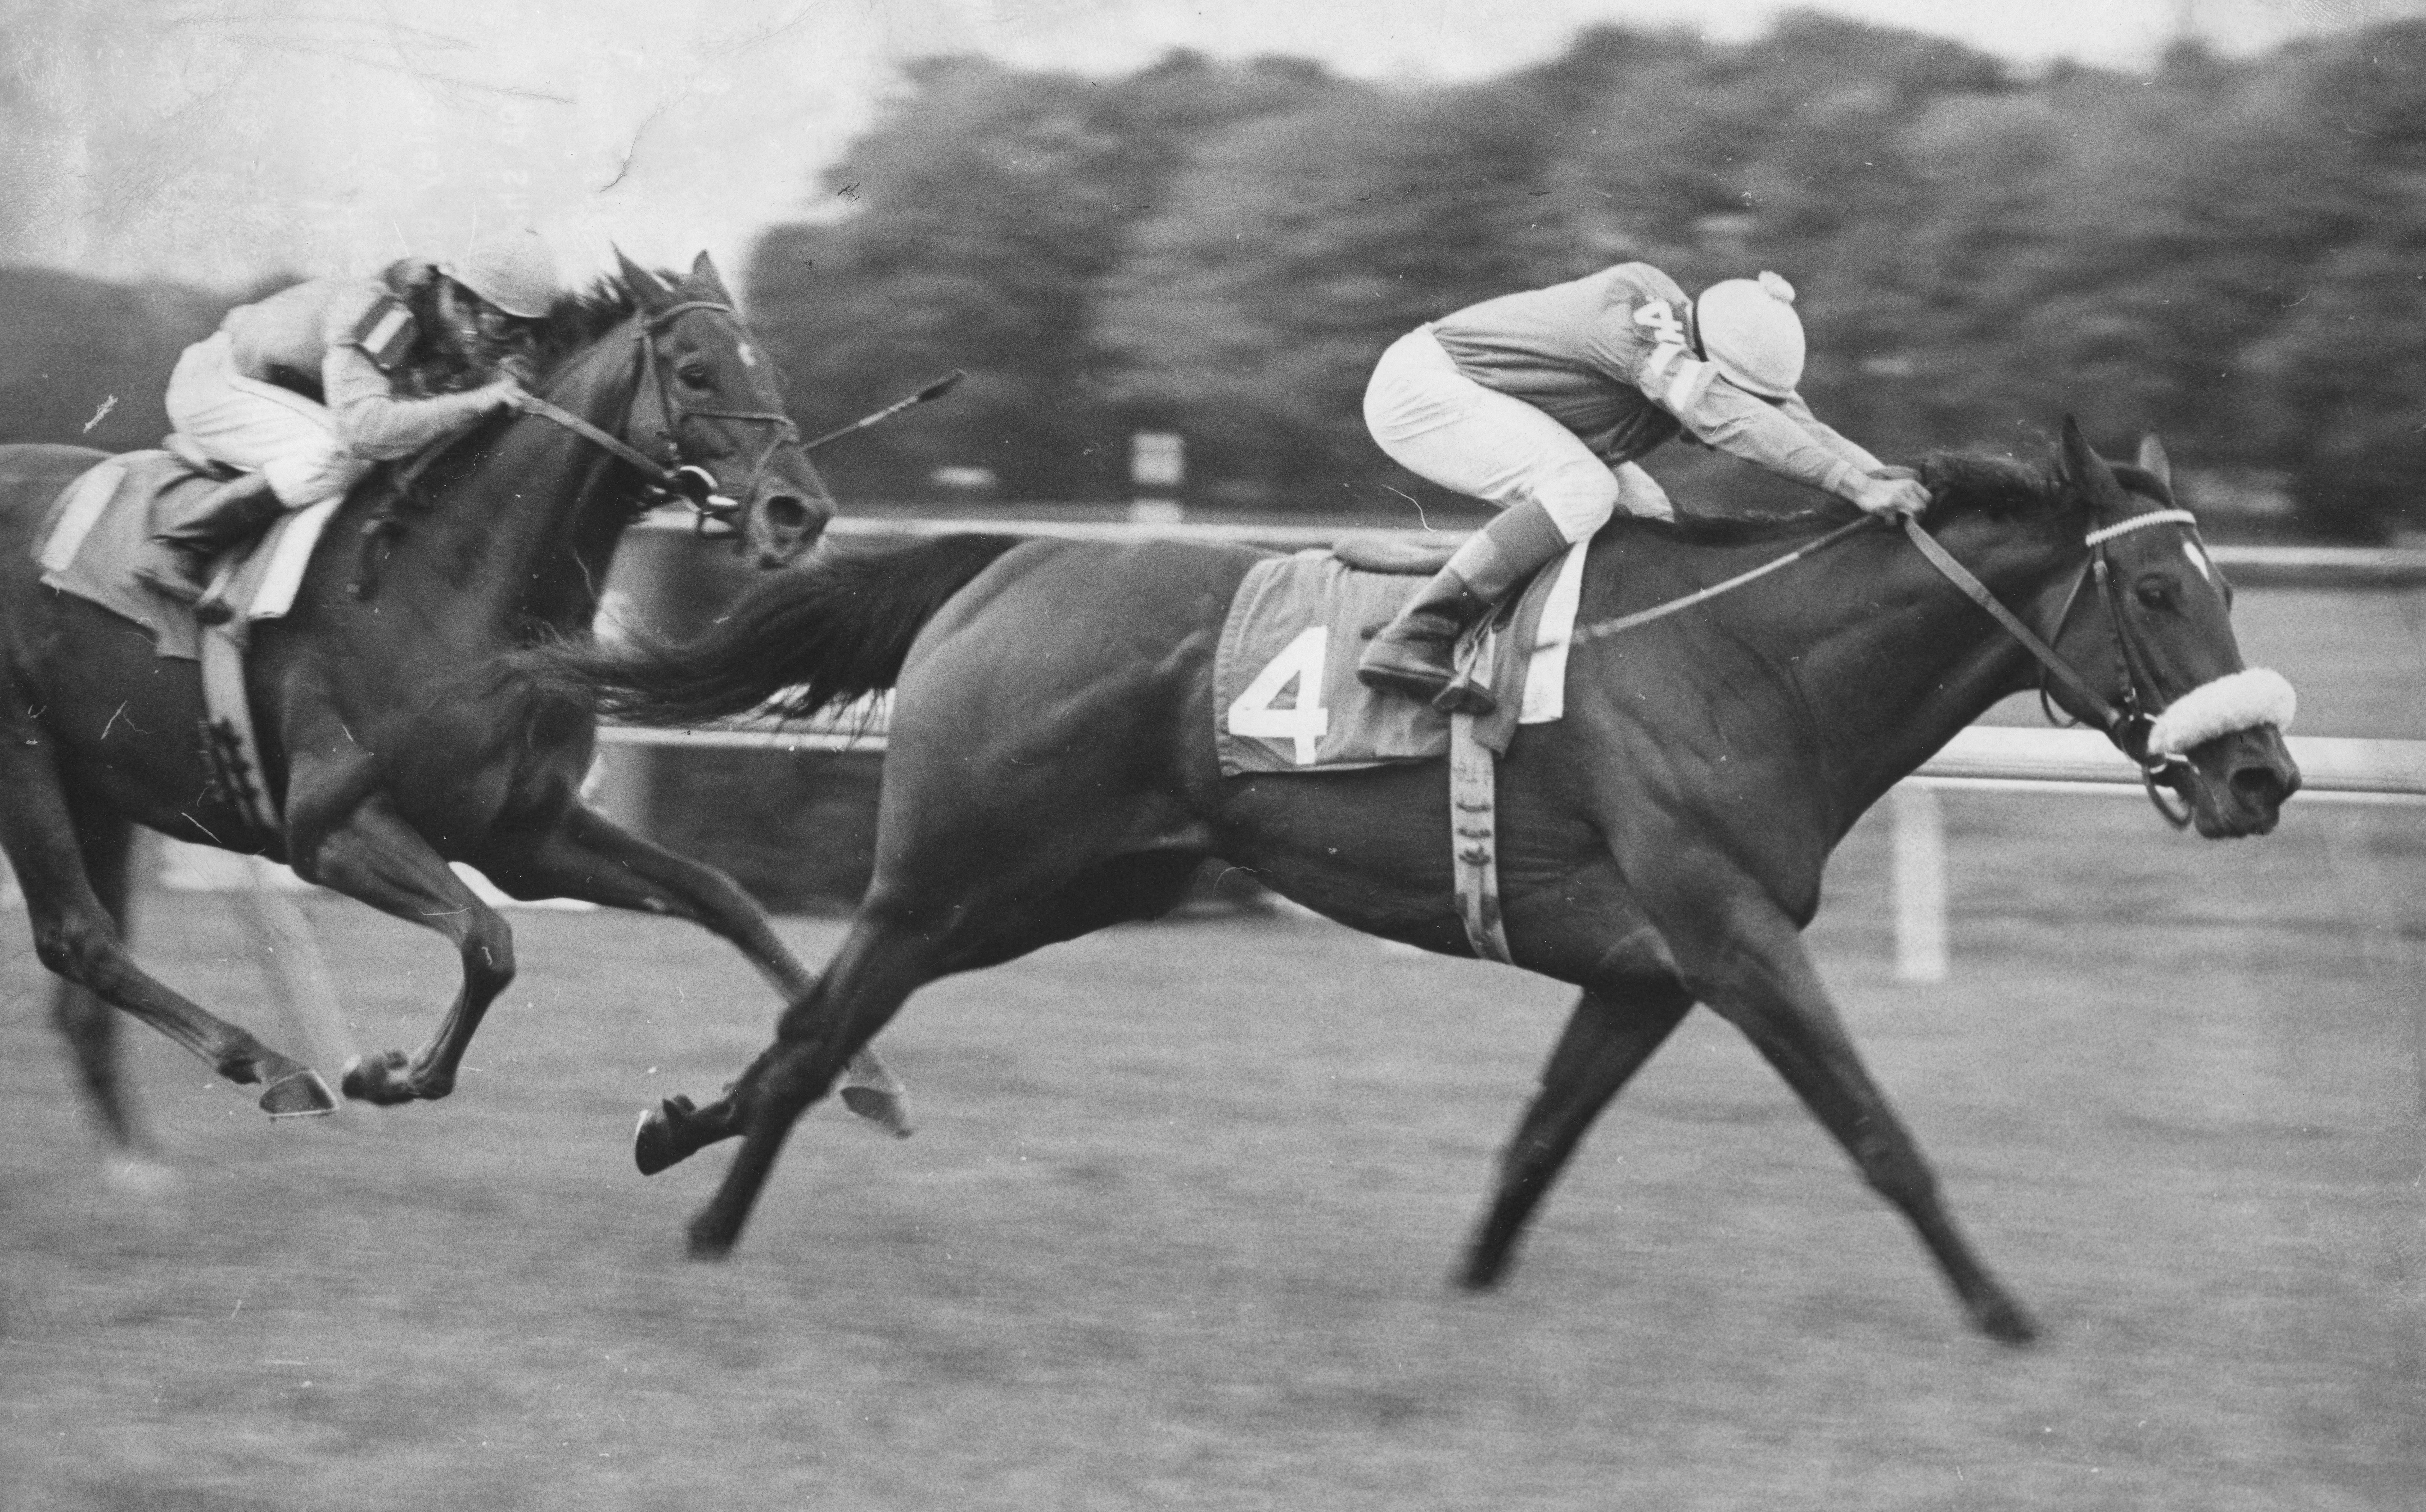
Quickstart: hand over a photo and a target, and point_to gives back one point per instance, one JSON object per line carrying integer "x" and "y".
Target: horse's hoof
{"x": 656, "y": 1143}
{"x": 707, "y": 1243}
{"x": 2003, "y": 1320}
{"x": 888, "y": 1111}
{"x": 376, "y": 1081}
{"x": 299, "y": 1095}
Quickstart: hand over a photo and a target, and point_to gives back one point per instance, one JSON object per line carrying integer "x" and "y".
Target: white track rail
{"x": 1984, "y": 758}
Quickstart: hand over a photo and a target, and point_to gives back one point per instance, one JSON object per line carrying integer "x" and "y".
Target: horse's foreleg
{"x": 591, "y": 856}
{"x": 1608, "y": 1039}
{"x": 76, "y": 937}
{"x": 1745, "y": 959}
{"x": 373, "y": 855}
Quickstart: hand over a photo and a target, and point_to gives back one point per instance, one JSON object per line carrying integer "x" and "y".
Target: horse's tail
{"x": 818, "y": 635}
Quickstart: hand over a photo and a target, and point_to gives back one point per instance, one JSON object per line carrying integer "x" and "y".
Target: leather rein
{"x": 2127, "y": 726}
{"x": 673, "y": 478}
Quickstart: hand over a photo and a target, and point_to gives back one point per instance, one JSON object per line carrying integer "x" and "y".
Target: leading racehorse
{"x": 1052, "y": 770}
{"x": 386, "y": 727}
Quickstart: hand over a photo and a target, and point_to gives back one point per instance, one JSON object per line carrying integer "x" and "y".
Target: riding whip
{"x": 934, "y": 391}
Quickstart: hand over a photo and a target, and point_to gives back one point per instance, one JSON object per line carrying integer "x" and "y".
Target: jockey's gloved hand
{"x": 1895, "y": 470}
{"x": 1891, "y": 496}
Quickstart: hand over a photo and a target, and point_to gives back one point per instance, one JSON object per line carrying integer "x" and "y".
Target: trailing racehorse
{"x": 1052, "y": 770}
{"x": 388, "y": 726}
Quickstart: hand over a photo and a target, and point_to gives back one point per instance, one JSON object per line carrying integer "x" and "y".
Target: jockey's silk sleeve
{"x": 1827, "y": 435}
{"x": 1745, "y": 426}
{"x": 374, "y": 423}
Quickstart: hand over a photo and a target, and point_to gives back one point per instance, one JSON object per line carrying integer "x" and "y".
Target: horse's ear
{"x": 2154, "y": 462}
{"x": 704, "y": 274}
{"x": 648, "y": 290}
{"x": 2087, "y": 471}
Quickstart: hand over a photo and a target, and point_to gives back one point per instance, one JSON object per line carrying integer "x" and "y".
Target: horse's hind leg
{"x": 886, "y": 957}
{"x": 75, "y": 937}
{"x": 894, "y": 948}
{"x": 589, "y": 856}
{"x": 1612, "y": 1033}
{"x": 88, "y": 1024}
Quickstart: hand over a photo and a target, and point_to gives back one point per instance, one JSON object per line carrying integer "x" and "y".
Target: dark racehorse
{"x": 384, "y": 721}
{"x": 1052, "y": 771}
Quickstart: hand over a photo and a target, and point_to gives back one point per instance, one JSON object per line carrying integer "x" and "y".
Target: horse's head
{"x": 2206, "y": 725}
{"x": 723, "y": 414}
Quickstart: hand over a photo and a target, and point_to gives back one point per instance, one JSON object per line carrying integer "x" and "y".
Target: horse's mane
{"x": 576, "y": 321}
{"x": 1958, "y": 483}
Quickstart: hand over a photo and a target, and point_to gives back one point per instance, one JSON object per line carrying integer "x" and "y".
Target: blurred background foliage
{"x": 2226, "y": 251}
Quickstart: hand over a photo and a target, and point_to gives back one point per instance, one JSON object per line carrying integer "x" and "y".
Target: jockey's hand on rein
{"x": 1891, "y": 496}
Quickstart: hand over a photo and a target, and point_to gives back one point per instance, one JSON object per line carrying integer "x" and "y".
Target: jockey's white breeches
{"x": 259, "y": 426}
{"x": 1436, "y": 422}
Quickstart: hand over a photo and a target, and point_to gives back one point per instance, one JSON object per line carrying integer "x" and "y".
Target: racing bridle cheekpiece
{"x": 660, "y": 430}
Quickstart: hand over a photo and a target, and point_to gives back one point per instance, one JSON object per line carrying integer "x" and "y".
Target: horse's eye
{"x": 2155, "y": 592}
{"x": 695, "y": 375}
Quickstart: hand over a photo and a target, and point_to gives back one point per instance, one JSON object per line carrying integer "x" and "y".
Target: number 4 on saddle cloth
{"x": 87, "y": 547}
{"x": 1285, "y": 697}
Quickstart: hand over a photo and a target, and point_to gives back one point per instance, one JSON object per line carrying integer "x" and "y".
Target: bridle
{"x": 2127, "y": 724}
{"x": 661, "y": 430}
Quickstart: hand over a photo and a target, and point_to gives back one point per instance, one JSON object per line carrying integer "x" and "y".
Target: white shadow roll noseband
{"x": 2236, "y": 702}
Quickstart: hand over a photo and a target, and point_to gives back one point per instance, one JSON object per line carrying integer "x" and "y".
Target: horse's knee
{"x": 83, "y": 951}
{"x": 487, "y": 952}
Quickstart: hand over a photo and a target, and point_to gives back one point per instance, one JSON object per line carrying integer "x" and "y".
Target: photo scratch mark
{"x": 633, "y": 148}
{"x": 108, "y": 403}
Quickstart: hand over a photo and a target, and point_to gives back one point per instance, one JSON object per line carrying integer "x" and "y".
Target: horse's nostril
{"x": 785, "y": 512}
{"x": 2259, "y": 786}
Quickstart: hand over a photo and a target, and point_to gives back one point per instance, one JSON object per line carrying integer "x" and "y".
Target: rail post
{"x": 1918, "y": 823}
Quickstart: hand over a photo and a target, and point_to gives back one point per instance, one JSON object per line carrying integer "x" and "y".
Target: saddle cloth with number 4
{"x": 1285, "y": 697}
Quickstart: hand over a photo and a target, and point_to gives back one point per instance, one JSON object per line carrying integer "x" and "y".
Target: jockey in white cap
{"x": 416, "y": 355}
{"x": 1539, "y": 402}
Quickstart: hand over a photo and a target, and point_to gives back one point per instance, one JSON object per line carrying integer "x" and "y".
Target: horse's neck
{"x": 531, "y": 527}
{"x": 1908, "y": 661}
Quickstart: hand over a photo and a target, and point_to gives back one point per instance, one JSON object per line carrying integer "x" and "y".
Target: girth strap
{"x": 1473, "y": 841}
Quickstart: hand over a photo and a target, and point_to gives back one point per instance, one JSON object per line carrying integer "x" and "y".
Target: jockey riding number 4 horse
{"x": 1052, "y": 769}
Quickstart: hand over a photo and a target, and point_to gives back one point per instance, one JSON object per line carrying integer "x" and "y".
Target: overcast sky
{"x": 218, "y": 141}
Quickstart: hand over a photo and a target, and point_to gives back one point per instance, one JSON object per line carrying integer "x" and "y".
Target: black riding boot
{"x": 176, "y": 561}
{"x": 1413, "y": 652}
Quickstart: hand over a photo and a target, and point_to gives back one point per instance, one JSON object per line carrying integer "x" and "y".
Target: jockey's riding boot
{"x": 176, "y": 560}
{"x": 1416, "y": 651}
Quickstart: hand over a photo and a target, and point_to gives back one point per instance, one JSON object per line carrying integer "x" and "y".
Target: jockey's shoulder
{"x": 329, "y": 300}
{"x": 1634, "y": 282}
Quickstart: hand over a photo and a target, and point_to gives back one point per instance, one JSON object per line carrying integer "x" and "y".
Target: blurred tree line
{"x": 2227, "y": 252}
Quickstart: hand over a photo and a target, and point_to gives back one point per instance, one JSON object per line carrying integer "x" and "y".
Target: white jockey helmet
{"x": 1749, "y": 330}
{"x": 516, "y": 273}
